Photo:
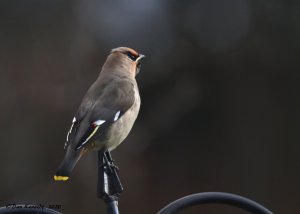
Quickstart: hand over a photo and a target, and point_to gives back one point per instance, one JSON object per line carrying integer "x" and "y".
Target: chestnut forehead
{"x": 123, "y": 49}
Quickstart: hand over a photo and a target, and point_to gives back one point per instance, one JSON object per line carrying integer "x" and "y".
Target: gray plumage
{"x": 107, "y": 111}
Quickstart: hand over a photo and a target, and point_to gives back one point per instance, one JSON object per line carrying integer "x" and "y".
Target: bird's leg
{"x": 115, "y": 184}
{"x": 110, "y": 161}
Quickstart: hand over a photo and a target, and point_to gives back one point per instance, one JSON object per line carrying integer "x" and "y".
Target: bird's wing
{"x": 83, "y": 110}
{"x": 115, "y": 100}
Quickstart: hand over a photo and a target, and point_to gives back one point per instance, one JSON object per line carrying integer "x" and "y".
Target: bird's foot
{"x": 112, "y": 165}
{"x": 110, "y": 162}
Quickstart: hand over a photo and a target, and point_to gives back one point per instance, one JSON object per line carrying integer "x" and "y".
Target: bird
{"x": 107, "y": 112}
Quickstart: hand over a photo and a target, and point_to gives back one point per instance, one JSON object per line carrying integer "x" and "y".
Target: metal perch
{"x": 214, "y": 197}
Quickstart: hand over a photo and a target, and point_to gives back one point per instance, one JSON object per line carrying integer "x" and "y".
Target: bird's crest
{"x": 124, "y": 50}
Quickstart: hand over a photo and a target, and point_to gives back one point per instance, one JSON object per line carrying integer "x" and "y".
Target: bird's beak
{"x": 141, "y": 56}
{"x": 138, "y": 63}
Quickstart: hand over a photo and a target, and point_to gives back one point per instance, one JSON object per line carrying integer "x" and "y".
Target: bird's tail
{"x": 67, "y": 166}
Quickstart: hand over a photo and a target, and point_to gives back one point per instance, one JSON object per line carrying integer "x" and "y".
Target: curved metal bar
{"x": 23, "y": 209}
{"x": 214, "y": 197}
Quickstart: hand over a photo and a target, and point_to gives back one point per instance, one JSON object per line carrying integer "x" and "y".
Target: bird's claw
{"x": 109, "y": 163}
{"x": 113, "y": 166}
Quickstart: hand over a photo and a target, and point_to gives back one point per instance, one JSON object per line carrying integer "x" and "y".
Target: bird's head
{"x": 127, "y": 58}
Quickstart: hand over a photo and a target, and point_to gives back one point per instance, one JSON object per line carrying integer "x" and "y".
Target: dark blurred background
{"x": 220, "y": 100}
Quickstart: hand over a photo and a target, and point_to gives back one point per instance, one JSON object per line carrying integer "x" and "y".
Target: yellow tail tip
{"x": 60, "y": 178}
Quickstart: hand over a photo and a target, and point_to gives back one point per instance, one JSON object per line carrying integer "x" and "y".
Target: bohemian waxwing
{"x": 107, "y": 111}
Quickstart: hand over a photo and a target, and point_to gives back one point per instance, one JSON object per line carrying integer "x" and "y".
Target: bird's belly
{"x": 120, "y": 130}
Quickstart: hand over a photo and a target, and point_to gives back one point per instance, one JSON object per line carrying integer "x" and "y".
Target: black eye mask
{"x": 131, "y": 56}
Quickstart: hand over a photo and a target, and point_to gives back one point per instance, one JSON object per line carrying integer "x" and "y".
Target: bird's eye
{"x": 131, "y": 56}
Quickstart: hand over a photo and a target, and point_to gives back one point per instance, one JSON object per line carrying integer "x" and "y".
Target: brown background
{"x": 220, "y": 100}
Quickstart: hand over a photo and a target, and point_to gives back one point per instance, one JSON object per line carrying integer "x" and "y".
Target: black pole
{"x": 112, "y": 207}
{"x": 101, "y": 177}
{"x": 214, "y": 197}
